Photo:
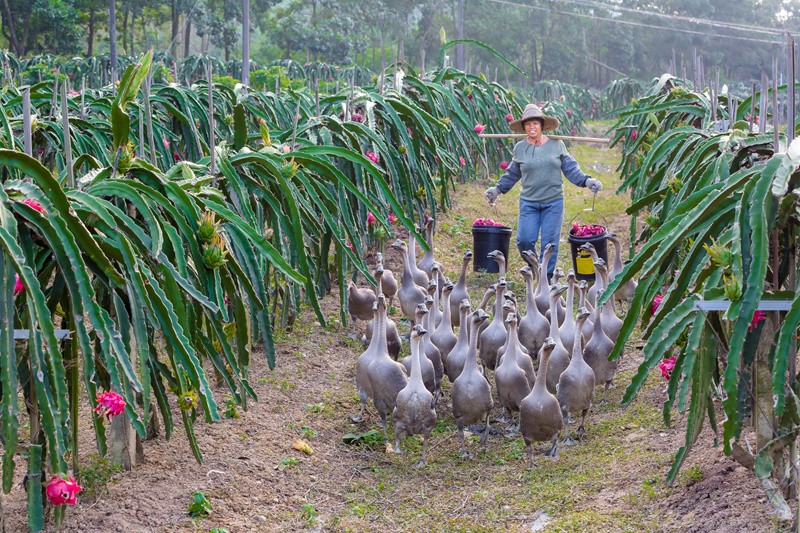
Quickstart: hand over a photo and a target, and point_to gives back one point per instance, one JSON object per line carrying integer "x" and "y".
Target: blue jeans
{"x": 537, "y": 217}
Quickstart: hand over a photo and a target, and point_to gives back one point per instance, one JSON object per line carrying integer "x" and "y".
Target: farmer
{"x": 540, "y": 161}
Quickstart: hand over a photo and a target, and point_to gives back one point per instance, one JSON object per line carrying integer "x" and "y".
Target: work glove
{"x": 594, "y": 185}
{"x": 492, "y": 193}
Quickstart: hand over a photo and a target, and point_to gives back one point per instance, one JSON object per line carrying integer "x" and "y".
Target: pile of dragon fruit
{"x": 487, "y": 222}
{"x": 586, "y": 230}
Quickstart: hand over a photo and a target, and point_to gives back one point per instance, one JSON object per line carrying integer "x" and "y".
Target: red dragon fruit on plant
{"x": 110, "y": 404}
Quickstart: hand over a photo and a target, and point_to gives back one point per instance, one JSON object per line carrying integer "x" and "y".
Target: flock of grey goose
{"x": 571, "y": 351}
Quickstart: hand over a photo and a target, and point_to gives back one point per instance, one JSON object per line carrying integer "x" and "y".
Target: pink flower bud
{"x": 509, "y": 117}
{"x": 634, "y": 134}
{"x": 62, "y": 492}
{"x": 109, "y": 404}
{"x": 462, "y": 160}
{"x": 410, "y": 132}
{"x": 758, "y": 316}
{"x": 30, "y": 202}
{"x": 479, "y": 128}
{"x": 349, "y": 244}
{"x": 392, "y": 218}
{"x": 667, "y": 366}
{"x": 166, "y": 143}
{"x": 370, "y": 217}
{"x": 503, "y": 165}
{"x": 19, "y": 288}
{"x": 656, "y": 302}
{"x": 372, "y": 156}
{"x": 357, "y": 117}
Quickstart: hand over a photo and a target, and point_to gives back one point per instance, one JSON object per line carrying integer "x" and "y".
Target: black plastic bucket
{"x": 486, "y": 239}
{"x": 582, "y": 262}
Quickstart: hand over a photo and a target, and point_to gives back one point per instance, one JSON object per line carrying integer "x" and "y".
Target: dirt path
{"x": 256, "y": 481}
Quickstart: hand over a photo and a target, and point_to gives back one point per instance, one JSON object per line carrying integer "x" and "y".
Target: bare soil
{"x": 256, "y": 481}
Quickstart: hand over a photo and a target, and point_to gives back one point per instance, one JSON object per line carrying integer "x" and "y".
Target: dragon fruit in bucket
{"x": 586, "y": 230}
{"x": 487, "y": 222}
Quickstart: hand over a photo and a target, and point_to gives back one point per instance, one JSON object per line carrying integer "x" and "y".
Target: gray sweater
{"x": 540, "y": 168}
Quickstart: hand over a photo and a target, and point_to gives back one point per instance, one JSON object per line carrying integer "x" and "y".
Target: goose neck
{"x": 416, "y": 363}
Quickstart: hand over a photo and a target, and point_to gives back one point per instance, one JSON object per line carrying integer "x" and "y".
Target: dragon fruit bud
{"x": 19, "y": 288}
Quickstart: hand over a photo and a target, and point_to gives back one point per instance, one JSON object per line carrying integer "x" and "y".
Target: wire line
{"x": 632, "y": 23}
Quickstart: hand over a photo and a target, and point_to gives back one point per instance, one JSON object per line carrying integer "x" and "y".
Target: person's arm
{"x": 573, "y": 171}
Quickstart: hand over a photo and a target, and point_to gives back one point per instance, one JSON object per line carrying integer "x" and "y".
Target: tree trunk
{"x": 246, "y": 42}
{"x": 187, "y": 38}
{"x": 133, "y": 26}
{"x": 12, "y": 33}
{"x": 125, "y": 32}
{"x": 173, "y": 47}
{"x": 112, "y": 38}
{"x": 460, "y": 35}
{"x": 90, "y": 43}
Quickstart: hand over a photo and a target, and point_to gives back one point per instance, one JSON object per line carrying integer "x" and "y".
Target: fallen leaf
{"x": 302, "y": 446}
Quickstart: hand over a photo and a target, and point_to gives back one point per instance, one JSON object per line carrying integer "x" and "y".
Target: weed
{"x": 317, "y": 408}
{"x": 231, "y": 407}
{"x": 199, "y": 506}
{"x": 650, "y": 486}
{"x": 96, "y": 475}
{"x": 372, "y": 438}
{"x": 287, "y": 462}
{"x": 308, "y": 433}
{"x": 692, "y": 475}
{"x": 359, "y": 509}
{"x": 309, "y": 514}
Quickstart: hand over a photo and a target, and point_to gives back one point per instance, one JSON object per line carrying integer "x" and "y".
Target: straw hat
{"x": 533, "y": 111}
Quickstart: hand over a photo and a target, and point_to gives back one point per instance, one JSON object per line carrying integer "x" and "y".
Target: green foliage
{"x": 199, "y": 506}
{"x": 372, "y": 438}
{"x": 287, "y": 462}
{"x": 266, "y": 79}
{"x": 190, "y": 267}
{"x": 309, "y": 514}
{"x": 692, "y": 475}
{"x": 95, "y": 475}
{"x": 231, "y": 407}
{"x": 713, "y": 199}
{"x": 308, "y": 433}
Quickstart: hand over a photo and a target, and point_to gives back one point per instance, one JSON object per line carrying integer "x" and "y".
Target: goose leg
{"x": 513, "y": 429}
{"x": 424, "y": 450}
{"x": 397, "y": 448}
{"x": 553, "y": 452}
{"x": 567, "y": 440}
{"x": 353, "y": 333}
{"x": 360, "y": 416}
{"x": 503, "y": 418}
{"x": 485, "y": 431}
{"x": 582, "y": 429}
{"x": 464, "y": 453}
{"x": 529, "y": 451}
